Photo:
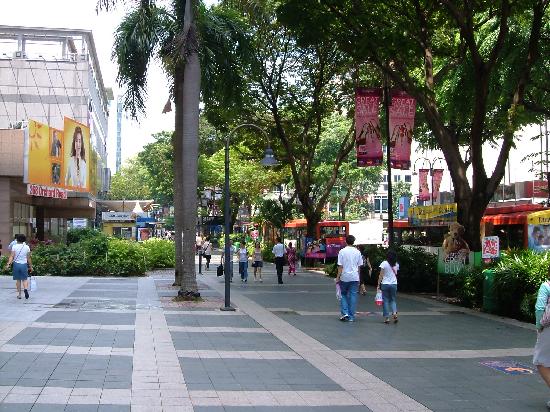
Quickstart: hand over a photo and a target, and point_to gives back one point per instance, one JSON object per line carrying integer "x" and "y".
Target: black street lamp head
{"x": 269, "y": 159}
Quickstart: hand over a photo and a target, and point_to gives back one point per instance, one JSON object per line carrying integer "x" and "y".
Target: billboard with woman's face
{"x": 76, "y": 156}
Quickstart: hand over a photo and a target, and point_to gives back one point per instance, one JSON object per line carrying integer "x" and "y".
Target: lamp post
{"x": 268, "y": 160}
{"x": 431, "y": 163}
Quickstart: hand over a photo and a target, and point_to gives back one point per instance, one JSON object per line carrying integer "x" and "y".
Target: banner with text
{"x": 434, "y": 215}
{"x": 402, "y": 111}
{"x": 437, "y": 176}
{"x": 368, "y": 143}
{"x": 423, "y": 189}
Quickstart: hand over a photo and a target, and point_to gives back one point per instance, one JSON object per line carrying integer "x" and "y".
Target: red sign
{"x": 490, "y": 247}
{"x": 368, "y": 143}
{"x": 437, "y": 176}
{"x": 423, "y": 189}
{"x": 46, "y": 191}
{"x": 402, "y": 111}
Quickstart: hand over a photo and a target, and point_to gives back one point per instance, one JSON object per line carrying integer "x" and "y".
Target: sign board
{"x": 80, "y": 223}
{"x": 212, "y": 220}
{"x": 538, "y": 230}
{"x": 46, "y": 191}
{"x": 404, "y": 204}
{"x": 435, "y": 215}
{"x": 117, "y": 216}
{"x": 333, "y": 245}
{"x": 367, "y": 232}
{"x": 490, "y": 247}
{"x": 452, "y": 263}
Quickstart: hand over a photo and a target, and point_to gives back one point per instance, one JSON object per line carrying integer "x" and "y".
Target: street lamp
{"x": 431, "y": 163}
{"x": 268, "y": 160}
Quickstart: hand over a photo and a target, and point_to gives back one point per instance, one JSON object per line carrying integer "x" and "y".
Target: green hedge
{"x": 92, "y": 253}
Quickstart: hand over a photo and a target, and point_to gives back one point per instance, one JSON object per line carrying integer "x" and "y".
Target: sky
{"x": 81, "y": 14}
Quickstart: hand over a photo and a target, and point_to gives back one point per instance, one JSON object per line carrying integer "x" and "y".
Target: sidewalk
{"x": 96, "y": 344}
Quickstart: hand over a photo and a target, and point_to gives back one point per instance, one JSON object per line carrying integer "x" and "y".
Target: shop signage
{"x": 117, "y": 216}
{"x": 490, "y": 247}
{"x": 46, "y": 191}
{"x": 212, "y": 220}
{"x": 368, "y": 143}
{"x": 435, "y": 215}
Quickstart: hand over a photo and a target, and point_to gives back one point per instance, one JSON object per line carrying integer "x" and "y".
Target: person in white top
{"x": 20, "y": 257}
{"x": 349, "y": 262}
{"x": 207, "y": 251}
{"x": 387, "y": 283}
{"x": 279, "y": 252}
{"x": 243, "y": 262}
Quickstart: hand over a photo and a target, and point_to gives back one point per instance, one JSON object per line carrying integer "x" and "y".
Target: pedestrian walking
{"x": 199, "y": 241}
{"x": 292, "y": 258}
{"x": 243, "y": 262}
{"x": 231, "y": 252}
{"x": 387, "y": 283}
{"x": 20, "y": 258}
{"x": 258, "y": 262}
{"x": 207, "y": 251}
{"x": 365, "y": 272}
{"x": 349, "y": 261}
{"x": 541, "y": 357}
{"x": 279, "y": 252}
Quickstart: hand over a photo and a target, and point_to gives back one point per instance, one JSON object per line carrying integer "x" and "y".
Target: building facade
{"x": 46, "y": 75}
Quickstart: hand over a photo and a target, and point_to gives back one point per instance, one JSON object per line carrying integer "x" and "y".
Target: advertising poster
{"x": 423, "y": 189}
{"x": 368, "y": 143}
{"x": 56, "y": 156}
{"x": 538, "y": 231}
{"x": 39, "y": 169}
{"x": 76, "y": 156}
{"x": 436, "y": 181}
{"x": 490, "y": 247}
{"x": 315, "y": 248}
{"x": 402, "y": 111}
{"x": 333, "y": 246}
{"x": 434, "y": 215}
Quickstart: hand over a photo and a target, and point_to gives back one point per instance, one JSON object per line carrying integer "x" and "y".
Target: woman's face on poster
{"x": 78, "y": 144}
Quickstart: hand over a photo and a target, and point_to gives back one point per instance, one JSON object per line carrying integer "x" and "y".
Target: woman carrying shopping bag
{"x": 387, "y": 283}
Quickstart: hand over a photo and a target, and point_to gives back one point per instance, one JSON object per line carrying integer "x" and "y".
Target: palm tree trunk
{"x": 190, "y": 154}
{"x": 177, "y": 142}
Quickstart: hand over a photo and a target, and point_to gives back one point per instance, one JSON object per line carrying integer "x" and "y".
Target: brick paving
{"x": 102, "y": 344}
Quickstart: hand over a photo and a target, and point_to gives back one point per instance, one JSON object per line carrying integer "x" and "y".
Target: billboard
{"x": 368, "y": 143}
{"x": 76, "y": 156}
{"x": 538, "y": 231}
{"x": 402, "y": 111}
{"x": 51, "y": 161}
{"x": 435, "y": 215}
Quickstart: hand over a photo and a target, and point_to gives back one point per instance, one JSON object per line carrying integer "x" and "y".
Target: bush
{"x": 467, "y": 286}
{"x": 159, "y": 253}
{"x": 3, "y": 261}
{"x": 77, "y": 235}
{"x": 331, "y": 269}
{"x": 125, "y": 258}
{"x": 417, "y": 268}
{"x": 518, "y": 276}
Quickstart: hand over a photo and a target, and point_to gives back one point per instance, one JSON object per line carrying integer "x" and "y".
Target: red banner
{"x": 437, "y": 176}
{"x": 46, "y": 191}
{"x": 423, "y": 189}
{"x": 402, "y": 112}
{"x": 367, "y": 127}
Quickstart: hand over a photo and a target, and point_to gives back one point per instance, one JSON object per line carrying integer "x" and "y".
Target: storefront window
{"x": 23, "y": 219}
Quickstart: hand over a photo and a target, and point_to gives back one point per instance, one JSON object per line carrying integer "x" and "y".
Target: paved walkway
{"x": 97, "y": 344}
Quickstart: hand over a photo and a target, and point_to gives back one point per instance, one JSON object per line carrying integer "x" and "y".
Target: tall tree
{"x": 475, "y": 69}
{"x": 131, "y": 182}
{"x": 171, "y": 34}
{"x": 292, "y": 89}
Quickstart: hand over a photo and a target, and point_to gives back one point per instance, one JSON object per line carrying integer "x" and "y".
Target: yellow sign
{"x": 38, "y": 151}
{"x": 539, "y": 218}
{"x": 434, "y": 215}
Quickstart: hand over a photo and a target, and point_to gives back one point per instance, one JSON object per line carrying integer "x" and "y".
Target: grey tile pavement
{"x": 206, "y": 320}
{"x": 104, "y": 318}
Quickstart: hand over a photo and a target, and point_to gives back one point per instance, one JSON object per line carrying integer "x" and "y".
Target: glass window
{"x": 408, "y": 178}
{"x": 396, "y": 178}
{"x": 385, "y": 178}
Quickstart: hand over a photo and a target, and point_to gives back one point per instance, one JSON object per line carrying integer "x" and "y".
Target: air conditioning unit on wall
{"x": 19, "y": 54}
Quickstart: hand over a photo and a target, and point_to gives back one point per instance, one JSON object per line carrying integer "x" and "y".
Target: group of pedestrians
{"x": 350, "y": 282}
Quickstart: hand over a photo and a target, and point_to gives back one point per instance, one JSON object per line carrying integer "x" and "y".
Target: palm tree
{"x": 181, "y": 38}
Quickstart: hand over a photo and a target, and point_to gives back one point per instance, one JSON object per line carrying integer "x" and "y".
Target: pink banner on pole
{"x": 402, "y": 110}
{"x": 423, "y": 189}
{"x": 437, "y": 176}
{"x": 368, "y": 143}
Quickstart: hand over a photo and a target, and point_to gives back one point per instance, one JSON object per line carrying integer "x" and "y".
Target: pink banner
{"x": 367, "y": 127}
{"x": 423, "y": 189}
{"x": 437, "y": 176}
{"x": 402, "y": 112}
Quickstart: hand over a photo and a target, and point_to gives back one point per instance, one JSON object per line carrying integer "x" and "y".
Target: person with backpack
{"x": 541, "y": 356}
{"x": 387, "y": 283}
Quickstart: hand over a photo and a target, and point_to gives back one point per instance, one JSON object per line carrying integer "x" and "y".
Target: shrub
{"x": 77, "y": 235}
{"x": 3, "y": 261}
{"x": 159, "y": 253}
{"x": 467, "y": 286}
{"x": 125, "y": 258}
{"x": 331, "y": 269}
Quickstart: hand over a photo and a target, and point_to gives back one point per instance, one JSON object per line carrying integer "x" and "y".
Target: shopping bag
{"x": 378, "y": 298}
{"x": 338, "y": 291}
{"x": 34, "y": 285}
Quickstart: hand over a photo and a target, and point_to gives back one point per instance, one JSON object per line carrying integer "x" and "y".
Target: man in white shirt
{"x": 349, "y": 262}
{"x": 279, "y": 252}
